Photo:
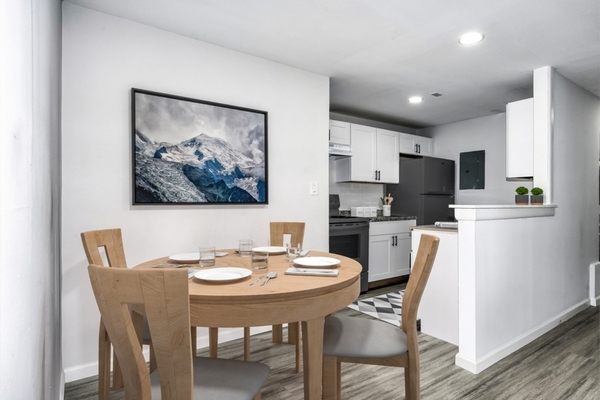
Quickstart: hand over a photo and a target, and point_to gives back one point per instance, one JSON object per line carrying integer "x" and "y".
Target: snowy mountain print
{"x": 202, "y": 168}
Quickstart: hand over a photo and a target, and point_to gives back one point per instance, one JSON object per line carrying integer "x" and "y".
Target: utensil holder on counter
{"x": 387, "y": 210}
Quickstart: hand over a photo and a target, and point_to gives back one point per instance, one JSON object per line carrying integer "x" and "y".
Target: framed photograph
{"x": 188, "y": 151}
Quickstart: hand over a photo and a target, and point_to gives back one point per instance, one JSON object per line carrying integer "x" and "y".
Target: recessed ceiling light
{"x": 415, "y": 99}
{"x": 471, "y": 38}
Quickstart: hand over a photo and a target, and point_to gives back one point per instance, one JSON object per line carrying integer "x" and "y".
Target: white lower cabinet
{"x": 389, "y": 249}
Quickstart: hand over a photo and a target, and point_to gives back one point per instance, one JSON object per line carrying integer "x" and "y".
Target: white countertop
{"x": 502, "y": 211}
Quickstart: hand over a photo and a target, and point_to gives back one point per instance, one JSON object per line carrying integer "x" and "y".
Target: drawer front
{"x": 390, "y": 227}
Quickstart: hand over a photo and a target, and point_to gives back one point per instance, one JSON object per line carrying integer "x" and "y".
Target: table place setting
{"x": 311, "y": 272}
{"x": 316, "y": 262}
{"x": 270, "y": 249}
{"x": 222, "y": 274}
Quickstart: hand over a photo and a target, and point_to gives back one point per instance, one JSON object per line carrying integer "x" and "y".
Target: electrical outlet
{"x": 314, "y": 188}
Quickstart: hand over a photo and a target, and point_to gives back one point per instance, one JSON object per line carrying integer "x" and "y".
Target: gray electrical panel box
{"x": 472, "y": 170}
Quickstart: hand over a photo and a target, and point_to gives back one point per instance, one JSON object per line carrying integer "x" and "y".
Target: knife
{"x": 318, "y": 271}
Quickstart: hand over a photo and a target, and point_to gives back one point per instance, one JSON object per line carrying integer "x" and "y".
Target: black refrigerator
{"x": 426, "y": 189}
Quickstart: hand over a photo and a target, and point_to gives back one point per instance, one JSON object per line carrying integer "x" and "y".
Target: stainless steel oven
{"x": 349, "y": 236}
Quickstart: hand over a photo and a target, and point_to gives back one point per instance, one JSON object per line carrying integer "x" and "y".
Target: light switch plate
{"x": 314, "y": 188}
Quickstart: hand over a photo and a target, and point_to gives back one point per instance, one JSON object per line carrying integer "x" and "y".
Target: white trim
{"x": 476, "y": 366}
{"x": 594, "y": 271}
{"x": 61, "y": 389}
{"x": 225, "y": 335}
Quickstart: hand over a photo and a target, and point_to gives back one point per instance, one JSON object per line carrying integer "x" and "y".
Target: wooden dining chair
{"x": 366, "y": 341}
{"x": 296, "y": 231}
{"x": 163, "y": 294}
{"x": 111, "y": 241}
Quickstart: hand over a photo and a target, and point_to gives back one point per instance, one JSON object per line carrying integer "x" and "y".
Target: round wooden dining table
{"x": 287, "y": 298}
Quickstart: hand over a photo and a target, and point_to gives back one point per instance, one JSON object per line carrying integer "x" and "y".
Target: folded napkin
{"x": 311, "y": 271}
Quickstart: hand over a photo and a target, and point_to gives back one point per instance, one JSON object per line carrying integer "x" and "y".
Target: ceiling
{"x": 378, "y": 53}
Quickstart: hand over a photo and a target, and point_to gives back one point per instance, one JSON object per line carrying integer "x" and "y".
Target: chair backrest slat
{"x": 112, "y": 242}
{"x": 164, "y": 296}
{"x": 295, "y": 229}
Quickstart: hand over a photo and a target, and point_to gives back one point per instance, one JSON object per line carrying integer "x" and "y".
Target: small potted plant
{"x": 537, "y": 196}
{"x": 522, "y": 197}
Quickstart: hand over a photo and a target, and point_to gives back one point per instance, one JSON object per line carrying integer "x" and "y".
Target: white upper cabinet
{"x": 375, "y": 156}
{"x": 339, "y": 132}
{"x": 388, "y": 157}
{"x": 415, "y": 145}
{"x": 519, "y": 139}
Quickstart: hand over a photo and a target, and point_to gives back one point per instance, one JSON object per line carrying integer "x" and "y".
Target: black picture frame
{"x": 196, "y": 152}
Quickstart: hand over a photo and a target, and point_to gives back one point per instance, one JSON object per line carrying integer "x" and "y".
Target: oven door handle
{"x": 348, "y": 227}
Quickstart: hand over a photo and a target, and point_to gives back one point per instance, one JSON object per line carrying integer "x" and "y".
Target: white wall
{"x": 485, "y": 133}
{"x": 104, "y": 57}
{"x": 29, "y": 195}
{"x": 520, "y": 277}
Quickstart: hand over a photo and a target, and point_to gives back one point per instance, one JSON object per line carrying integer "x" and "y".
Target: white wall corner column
{"x": 493, "y": 283}
{"x": 543, "y": 114}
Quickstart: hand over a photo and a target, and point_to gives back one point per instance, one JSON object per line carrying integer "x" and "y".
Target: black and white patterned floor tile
{"x": 386, "y": 307}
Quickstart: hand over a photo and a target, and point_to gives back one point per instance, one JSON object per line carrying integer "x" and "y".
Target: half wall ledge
{"x": 494, "y": 212}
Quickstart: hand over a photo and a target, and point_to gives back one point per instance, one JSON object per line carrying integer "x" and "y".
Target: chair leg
{"x": 294, "y": 337}
{"x": 247, "y": 344}
{"x": 293, "y": 332}
{"x": 412, "y": 384}
{"x": 194, "y": 341}
{"x": 332, "y": 378}
{"x": 277, "y": 333}
{"x": 103, "y": 363}
{"x": 117, "y": 377}
{"x": 213, "y": 341}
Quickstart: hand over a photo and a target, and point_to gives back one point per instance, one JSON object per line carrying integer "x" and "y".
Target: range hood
{"x": 339, "y": 150}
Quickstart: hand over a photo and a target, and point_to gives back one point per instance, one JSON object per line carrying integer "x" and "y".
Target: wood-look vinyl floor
{"x": 562, "y": 364}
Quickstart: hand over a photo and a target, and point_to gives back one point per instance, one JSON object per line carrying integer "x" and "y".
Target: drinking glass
{"x": 260, "y": 261}
{"x": 245, "y": 248}
{"x": 292, "y": 251}
{"x": 207, "y": 256}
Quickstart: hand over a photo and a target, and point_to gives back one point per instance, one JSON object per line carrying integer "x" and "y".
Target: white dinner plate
{"x": 270, "y": 249}
{"x": 185, "y": 257}
{"x": 222, "y": 274}
{"x": 221, "y": 253}
{"x": 317, "y": 262}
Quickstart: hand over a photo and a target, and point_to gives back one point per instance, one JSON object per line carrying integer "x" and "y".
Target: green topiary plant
{"x": 537, "y": 197}
{"x": 522, "y": 190}
{"x": 536, "y": 191}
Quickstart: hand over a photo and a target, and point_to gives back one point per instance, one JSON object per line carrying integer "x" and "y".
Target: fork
{"x": 256, "y": 281}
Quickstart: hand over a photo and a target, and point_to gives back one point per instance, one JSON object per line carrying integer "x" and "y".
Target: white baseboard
{"x": 225, "y": 335}
{"x": 61, "y": 392}
{"x": 476, "y": 366}
{"x": 594, "y": 285}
